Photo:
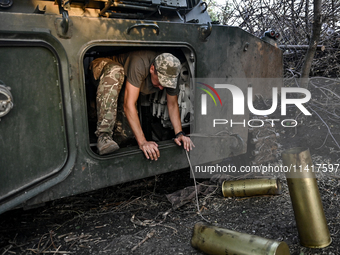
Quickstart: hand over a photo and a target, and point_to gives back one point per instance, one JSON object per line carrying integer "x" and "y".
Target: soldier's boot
{"x": 105, "y": 144}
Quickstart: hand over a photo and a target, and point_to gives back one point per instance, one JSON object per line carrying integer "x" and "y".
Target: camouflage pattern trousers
{"x": 110, "y": 83}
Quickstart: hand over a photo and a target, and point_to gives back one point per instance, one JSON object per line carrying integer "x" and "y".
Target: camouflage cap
{"x": 168, "y": 68}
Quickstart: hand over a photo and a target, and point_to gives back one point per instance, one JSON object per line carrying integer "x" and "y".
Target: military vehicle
{"x": 47, "y": 99}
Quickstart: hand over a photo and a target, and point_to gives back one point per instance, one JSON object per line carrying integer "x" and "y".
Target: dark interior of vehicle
{"x": 151, "y": 108}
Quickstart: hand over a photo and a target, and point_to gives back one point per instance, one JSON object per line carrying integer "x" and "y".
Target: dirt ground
{"x": 137, "y": 218}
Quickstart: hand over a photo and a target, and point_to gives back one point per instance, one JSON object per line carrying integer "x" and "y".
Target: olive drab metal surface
{"x": 33, "y": 136}
{"x": 47, "y": 142}
{"x": 35, "y": 150}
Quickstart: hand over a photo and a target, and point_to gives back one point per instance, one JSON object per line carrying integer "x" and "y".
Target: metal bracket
{"x": 38, "y": 10}
{"x": 154, "y": 26}
{"x": 7, "y": 104}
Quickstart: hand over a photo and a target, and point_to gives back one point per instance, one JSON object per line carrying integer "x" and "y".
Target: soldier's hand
{"x": 150, "y": 150}
{"x": 187, "y": 143}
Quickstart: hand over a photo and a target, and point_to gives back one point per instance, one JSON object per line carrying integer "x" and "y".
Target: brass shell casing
{"x": 304, "y": 193}
{"x": 251, "y": 187}
{"x": 215, "y": 240}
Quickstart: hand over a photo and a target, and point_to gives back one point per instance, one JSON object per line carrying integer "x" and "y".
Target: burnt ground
{"x": 137, "y": 218}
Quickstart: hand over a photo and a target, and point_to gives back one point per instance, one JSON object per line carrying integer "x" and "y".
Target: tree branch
{"x": 312, "y": 44}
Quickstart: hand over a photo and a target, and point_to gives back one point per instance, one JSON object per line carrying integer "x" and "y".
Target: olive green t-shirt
{"x": 137, "y": 70}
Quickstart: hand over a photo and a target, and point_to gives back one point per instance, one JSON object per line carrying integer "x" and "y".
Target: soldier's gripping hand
{"x": 150, "y": 150}
{"x": 186, "y": 141}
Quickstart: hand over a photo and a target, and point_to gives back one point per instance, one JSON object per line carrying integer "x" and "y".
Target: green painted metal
{"x": 50, "y": 156}
{"x": 37, "y": 67}
{"x": 33, "y": 139}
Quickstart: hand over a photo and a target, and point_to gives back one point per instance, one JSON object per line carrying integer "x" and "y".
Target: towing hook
{"x": 205, "y": 31}
{"x": 65, "y": 22}
{"x": 205, "y": 7}
{"x": 5, "y": 104}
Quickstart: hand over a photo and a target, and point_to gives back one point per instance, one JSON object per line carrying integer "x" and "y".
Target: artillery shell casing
{"x": 251, "y": 187}
{"x": 215, "y": 240}
{"x": 304, "y": 193}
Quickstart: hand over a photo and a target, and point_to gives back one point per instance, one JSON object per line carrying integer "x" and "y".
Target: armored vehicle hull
{"x": 47, "y": 145}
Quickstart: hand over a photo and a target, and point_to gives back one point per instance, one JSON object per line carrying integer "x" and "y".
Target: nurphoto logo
{"x": 238, "y": 99}
{"x": 204, "y": 97}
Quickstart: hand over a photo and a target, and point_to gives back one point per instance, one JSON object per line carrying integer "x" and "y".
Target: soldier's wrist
{"x": 180, "y": 133}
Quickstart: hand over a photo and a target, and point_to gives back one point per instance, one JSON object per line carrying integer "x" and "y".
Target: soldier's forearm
{"x": 174, "y": 114}
{"x": 132, "y": 116}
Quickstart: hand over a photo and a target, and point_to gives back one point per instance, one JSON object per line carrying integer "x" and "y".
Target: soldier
{"x": 146, "y": 72}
